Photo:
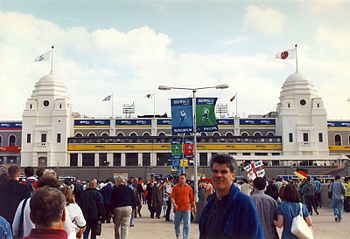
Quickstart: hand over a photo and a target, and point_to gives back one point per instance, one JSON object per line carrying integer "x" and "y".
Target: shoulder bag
{"x": 299, "y": 226}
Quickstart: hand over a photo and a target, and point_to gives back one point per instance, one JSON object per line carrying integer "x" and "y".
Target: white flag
{"x": 43, "y": 57}
{"x": 289, "y": 54}
{"x": 108, "y": 98}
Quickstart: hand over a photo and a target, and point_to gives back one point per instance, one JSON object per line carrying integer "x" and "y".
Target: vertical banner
{"x": 205, "y": 114}
{"x": 181, "y": 116}
{"x": 176, "y": 153}
{"x": 188, "y": 148}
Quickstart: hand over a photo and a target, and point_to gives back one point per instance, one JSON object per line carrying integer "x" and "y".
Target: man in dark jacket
{"x": 229, "y": 213}
{"x": 122, "y": 204}
{"x": 106, "y": 192}
{"x": 93, "y": 209}
{"x": 12, "y": 193}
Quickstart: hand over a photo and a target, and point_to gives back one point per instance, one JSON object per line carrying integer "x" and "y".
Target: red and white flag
{"x": 288, "y": 54}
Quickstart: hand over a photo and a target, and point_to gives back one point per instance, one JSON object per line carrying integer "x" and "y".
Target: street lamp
{"x": 194, "y": 90}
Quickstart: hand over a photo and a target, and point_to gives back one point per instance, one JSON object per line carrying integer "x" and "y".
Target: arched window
{"x": 257, "y": 134}
{"x": 204, "y": 134}
{"x": 104, "y": 134}
{"x": 132, "y": 134}
{"x": 91, "y": 134}
{"x": 78, "y": 135}
{"x": 229, "y": 134}
{"x": 12, "y": 140}
{"x": 244, "y": 134}
{"x": 120, "y": 134}
{"x": 161, "y": 134}
{"x": 270, "y": 134}
{"x": 216, "y": 134}
{"x": 337, "y": 139}
{"x": 146, "y": 134}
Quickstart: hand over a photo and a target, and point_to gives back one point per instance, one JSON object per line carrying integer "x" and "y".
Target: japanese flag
{"x": 288, "y": 54}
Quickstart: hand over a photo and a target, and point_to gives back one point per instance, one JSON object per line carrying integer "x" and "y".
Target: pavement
{"x": 324, "y": 227}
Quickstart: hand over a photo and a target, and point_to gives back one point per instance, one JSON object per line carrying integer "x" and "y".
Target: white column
{"x": 80, "y": 160}
{"x": 97, "y": 159}
{"x": 139, "y": 159}
{"x": 153, "y": 159}
{"x": 122, "y": 163}
{"x": 110, "y": 159}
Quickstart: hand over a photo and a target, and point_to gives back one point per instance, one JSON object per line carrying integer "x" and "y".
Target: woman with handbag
{"x": 290, "y": 208}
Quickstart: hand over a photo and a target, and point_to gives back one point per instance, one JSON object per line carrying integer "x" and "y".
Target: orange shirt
{"x": 183, "y": 197}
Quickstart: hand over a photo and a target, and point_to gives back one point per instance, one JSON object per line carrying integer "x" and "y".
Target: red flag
{"x": 188, "y": 149}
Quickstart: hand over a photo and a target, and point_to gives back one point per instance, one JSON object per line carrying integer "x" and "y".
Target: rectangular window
{"x": 320, "y": 137}
{"x": 73, "y": 159}
{"x": 146, "y": 159}
{"x": 29, "y": 138}
{"x": 290, "y": 137}
{"x": 43, "y": 138}
{"x": 305, "y": 137}
{"x": 58, "y": 138}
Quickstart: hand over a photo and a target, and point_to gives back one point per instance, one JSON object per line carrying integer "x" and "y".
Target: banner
{"x": 205, "y": 114}
{"x": 181, "y": 115}
{"x": 176, "y": 148}
{"x": 255, "y": 169}
{"x": 175, "y": 161}
{"x": 188, "y": 148}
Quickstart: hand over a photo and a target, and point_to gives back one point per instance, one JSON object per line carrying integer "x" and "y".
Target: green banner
{"x": 205, "y": 114}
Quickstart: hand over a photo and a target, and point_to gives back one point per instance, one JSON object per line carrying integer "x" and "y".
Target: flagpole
{"x": 51, "y": 71}
{"x": 154, "y": 105}
{"x": 112, "y": 105}
{"x": 296, "y": 57}
{"x": 236, "y": 106}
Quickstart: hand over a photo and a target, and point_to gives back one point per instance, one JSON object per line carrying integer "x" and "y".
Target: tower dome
{"x": 297, "y": 84}
{"x": 50, "y": 85}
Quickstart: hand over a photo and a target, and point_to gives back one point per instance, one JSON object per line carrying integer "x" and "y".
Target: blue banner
{"x": 175, "y": 161}
{"x": 10, "y": 125}
{"x": 225, "y": 121}
{"x": 91, "y": 122}
{"x": 257, "y": 122}
{"x": 181, "y": 115}
{"x": 205, "y": 115}
{"x": 338, "y": 123}
{"x": 133, "y": 122}
{"x": 164, "y": 122}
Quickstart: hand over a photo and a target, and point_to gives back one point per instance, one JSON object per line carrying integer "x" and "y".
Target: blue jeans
{"x": 185, "y": 217}
{"x": 338, "y": 205}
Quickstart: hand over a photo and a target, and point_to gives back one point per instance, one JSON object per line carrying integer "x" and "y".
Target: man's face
{"x": 182, "y": 179}
{"x": 222, "y": 177}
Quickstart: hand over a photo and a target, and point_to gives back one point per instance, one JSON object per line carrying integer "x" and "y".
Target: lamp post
{"x": 194, "y": 90}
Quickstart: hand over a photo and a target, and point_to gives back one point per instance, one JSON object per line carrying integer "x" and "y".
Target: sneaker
{"x": 317, "y": 212}
{"x": 336, "y": 218}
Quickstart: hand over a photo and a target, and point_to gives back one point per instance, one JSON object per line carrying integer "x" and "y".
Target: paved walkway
{"x": 324, "y": 227}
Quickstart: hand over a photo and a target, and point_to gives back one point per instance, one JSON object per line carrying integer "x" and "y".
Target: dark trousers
{"x": 168, "y": 210}
{"x": 158, "y": 209}
{"x": 309, "y": 201}
{"x": 90, "y": 226}
{"x": 318, "y": 199}
{"x": 108, "y": 213}
{"x": 150, "y": 208}
{"x": 138, "y": 211}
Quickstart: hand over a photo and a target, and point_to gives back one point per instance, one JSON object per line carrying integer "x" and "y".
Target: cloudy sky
{"x": 131, "y": 47}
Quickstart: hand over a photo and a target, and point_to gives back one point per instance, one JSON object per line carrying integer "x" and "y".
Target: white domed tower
{"x": 302, "y": 121}
{"x": 46, "y": 124}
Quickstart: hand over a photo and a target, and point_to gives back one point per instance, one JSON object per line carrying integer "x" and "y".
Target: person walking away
{"x": 138, "y": 191}
{"x": 12, "y": 193}
{"x": 122, "y": 205}
{"x": 272, "y": 190}
{"x": 93, "y": 210}
{"x": 31, "y": 180}
{"x": 288, "y": 209}
{"x": 229, "y": 213}
{"x": 75, "y": 212}
{"x": 308, "y": 191}
{"x": 318, "y": 192}
{"x": 48, "y": 213}
{"x": 167, "y": 197}
{"x": 106, "y": 192}
{"x": 183, "y": 202}
{"x": 157, "y": 198}
{"x": 266, "y": 207}
{"x": 338, "y": 192}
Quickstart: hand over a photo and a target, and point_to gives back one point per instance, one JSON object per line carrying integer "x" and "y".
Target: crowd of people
{"x": 44, "y": 207}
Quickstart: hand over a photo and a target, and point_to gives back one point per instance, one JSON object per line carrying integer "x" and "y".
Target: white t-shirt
{"x": 28, "y": 225}
{"x": 76, "y": 216}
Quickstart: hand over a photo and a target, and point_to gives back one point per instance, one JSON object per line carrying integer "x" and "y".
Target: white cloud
{"x": 339, "y": 38}
{"x": 267, "y": 20}
{"x": 234, "y": 41}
